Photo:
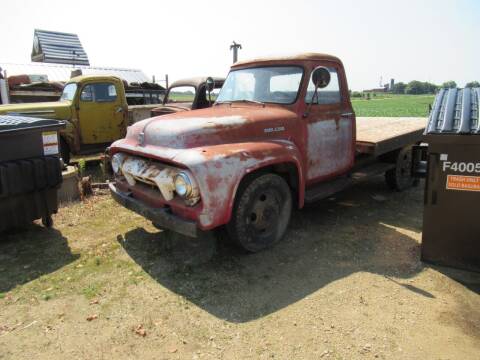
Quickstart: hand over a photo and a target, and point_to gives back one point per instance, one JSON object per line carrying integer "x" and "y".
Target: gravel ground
{"x": 346, "y": 283}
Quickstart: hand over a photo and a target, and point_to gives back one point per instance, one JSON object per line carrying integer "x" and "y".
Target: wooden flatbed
{"x": 375, "y": 136}
{"x": 380, "y": 135}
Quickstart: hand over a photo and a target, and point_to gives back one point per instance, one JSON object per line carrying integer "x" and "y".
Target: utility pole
{"x": 235, "y": 48}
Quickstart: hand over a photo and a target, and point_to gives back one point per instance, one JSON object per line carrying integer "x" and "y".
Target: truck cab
{"x": 281, "y": 132}
{"x": 189, "y": 94}
{"x": 94, "y": 108}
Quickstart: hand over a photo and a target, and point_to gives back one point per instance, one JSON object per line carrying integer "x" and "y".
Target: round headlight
{"x": 117, "y": 161}
{"x": 183, "y": 184}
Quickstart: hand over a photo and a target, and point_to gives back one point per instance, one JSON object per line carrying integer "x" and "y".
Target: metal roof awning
{"x": 59, "y": 48}
{"x": 61, "y": 72}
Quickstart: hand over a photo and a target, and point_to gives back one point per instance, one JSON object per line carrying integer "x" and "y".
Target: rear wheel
{"x": 400, "y": 178}
{"x": 261, "y": 213}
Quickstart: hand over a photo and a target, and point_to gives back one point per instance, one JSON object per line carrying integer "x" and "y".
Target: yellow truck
{"x": 95, "y": 109}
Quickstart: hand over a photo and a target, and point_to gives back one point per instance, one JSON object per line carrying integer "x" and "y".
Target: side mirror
{"x": 209, "y": 85}
{"x": 321, "y": 77}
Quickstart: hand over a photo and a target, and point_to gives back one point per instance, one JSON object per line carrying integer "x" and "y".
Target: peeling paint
{"x": 220, "y": 145}
{"x": 153, "y": 173}
{"x": 176, "y": 133}
{"x": 329, "y": 147}
{"x": 219, "y": 169}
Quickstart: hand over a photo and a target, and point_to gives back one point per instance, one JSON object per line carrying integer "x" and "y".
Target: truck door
{"x": 330, "y": 129}
{"x": 100, "y": 113}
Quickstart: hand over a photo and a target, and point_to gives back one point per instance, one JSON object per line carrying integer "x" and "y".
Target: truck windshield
{"x": 69, "y": 92}
{"x": 274, "y": 84}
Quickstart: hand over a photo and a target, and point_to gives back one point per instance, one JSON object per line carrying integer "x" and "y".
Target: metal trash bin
{"x": 451, "y": 220}
{"x": 30, "y": 170}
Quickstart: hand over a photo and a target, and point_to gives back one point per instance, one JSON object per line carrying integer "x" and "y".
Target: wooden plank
{"x": 378, "y": 135}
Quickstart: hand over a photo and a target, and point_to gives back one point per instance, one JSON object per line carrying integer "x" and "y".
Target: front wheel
{"x": 261, "y": 213}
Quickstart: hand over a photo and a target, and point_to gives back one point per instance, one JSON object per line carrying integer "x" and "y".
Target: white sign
{"x": 50, "y": 142}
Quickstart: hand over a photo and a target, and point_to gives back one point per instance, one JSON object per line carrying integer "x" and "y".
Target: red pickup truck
{"x": 281, "y": 133}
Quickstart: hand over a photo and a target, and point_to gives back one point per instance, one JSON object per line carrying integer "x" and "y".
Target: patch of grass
{"x": 81, "y": 167}
{"x": 92, "y": 290}
{"x": 392, "y": 105}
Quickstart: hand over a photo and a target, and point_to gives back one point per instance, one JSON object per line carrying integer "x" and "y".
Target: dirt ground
{"x": 346, "y": 283}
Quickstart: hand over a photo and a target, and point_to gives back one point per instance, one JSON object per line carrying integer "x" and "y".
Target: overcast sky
{"x": 434, "y": 40}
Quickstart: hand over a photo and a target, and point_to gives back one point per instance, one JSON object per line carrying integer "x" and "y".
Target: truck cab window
{"x": 284, "y": 88}
{"x": 101, "y": 92}
{"x": 181, "y": 94}
{"x": 87, "y": 93}
{"x": 327, "y": 95}
{"x": 69, "y": 92}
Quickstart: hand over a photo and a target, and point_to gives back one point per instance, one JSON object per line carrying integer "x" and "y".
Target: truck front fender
{"x": 70, "y": 135}
{"x": 219, "y": 170}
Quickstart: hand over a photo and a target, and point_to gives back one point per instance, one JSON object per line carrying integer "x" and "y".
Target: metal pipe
{"x": 235, "y": 48}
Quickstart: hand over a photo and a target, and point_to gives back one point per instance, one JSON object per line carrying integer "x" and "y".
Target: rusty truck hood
{"x": 220, "y": 124}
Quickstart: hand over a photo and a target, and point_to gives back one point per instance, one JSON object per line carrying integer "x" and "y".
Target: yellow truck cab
{"x": 95, "y": 109}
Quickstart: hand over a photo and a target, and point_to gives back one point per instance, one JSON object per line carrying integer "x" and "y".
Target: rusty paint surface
{"x": 284, "y": 59}
{"x": 221, "y": 144}
{"x": 329, "y": 147}
{"x": 156, "y": 174}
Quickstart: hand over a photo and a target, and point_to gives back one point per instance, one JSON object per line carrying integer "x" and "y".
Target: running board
{"x": 371, "y": 170}
{"x": 326, "y": 189}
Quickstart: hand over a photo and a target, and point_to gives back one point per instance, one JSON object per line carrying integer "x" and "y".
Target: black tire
{"x": 400, "y": 178}
{"x": 261, "y": 213}
{"x": 64, "y": 151}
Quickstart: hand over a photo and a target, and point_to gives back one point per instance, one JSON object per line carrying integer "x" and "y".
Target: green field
{"x": 181, "y": 97}
{"x": 390, "y": 105}
{"x": 393, "y": 105}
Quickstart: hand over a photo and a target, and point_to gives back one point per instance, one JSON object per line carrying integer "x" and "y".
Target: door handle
{"x": 119, "y": 110}
{"x": 346, "y": 114}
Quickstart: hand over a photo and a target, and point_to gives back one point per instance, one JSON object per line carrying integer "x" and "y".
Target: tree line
{"x": 416, "y": 87}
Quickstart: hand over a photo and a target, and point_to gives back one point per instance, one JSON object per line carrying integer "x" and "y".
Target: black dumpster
{"x": 30, "y": 170}
{"x": 451, "y": 222}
